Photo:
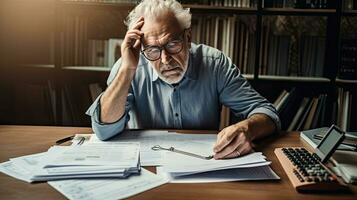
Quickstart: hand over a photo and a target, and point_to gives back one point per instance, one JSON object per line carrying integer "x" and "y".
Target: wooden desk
{"x": 23, "y": 140}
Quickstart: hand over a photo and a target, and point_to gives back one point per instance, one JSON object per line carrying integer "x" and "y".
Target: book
{"x": 288, "y": 107}
{"x": 312, "y": 113}
{"x": 348, "y": 62}
{"x": 304, "y": 116}
{"x": 282, "y": 101}
{"x": 317, "y": 116}
{"x": 298, "y": 114}
{"x": 308, "y": 137}
{"x": 280, "y": 97}
{"x": 114, "y": 50}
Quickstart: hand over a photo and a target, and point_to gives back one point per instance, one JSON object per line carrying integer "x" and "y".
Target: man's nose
{"x": 165, "y": 57}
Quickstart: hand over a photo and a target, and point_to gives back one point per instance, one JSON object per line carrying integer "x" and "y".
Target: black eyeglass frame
{"x": 164, "y": 47}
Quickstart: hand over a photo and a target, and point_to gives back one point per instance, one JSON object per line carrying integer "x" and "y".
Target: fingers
{"x": 229, "y": 149}
{"x": 242, "y": 150}
{"x": 234, "y": 154}
{"x": 139, "y": 23}
{"x": 132, "y": 42}
{"x": 239, "y": 145}
{"x": 137, "y": 44}
{"x": 223, "y": 139}
{"x": 133, "y": 36}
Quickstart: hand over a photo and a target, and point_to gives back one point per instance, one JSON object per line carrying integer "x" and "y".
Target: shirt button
{"x": 175, "y": 90}
{"x": 176, "y": 114}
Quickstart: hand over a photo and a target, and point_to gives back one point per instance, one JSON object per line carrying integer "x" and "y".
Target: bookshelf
{"x": 74, "y": 23}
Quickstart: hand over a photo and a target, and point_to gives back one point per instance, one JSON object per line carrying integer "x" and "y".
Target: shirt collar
{"x": 154, "y": 75}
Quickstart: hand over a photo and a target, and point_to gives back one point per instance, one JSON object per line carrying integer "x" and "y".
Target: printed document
{"x": 121, "y": 154}
{"x": 178, "y": 165}
{"x": 227, "y": 175}
{"x": 148, "y": 139}
{"x": 108, "y": 188}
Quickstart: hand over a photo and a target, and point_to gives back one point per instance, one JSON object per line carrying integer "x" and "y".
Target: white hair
{"x": 154, "y": 8}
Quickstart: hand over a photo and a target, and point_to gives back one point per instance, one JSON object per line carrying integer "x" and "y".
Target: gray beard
{"x": 176, "y": 80}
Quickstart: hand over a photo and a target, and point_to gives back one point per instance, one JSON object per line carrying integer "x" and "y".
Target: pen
{"x": 158, "y": 147}
{"x": 63, "y": 140}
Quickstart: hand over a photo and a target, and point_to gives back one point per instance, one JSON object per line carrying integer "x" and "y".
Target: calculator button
{"x": 308, "y": 179}
{"x": 316, "y": 179}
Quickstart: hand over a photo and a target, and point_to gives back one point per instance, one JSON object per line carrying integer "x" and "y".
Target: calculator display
{"x": 329, "y": 143}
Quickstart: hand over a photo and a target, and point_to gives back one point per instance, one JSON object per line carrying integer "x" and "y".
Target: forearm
{"x": 114, "y": 98}
{"x": 260, "y": 125}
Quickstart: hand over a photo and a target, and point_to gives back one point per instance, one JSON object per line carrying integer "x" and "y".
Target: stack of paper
{"x": 22, "y": 167}
{"x": 148, "y": 139}
{"x": 117, "y": 161}
{"x": 346, "y": 165}
{"x": 177, "y": 165}
{"x": 119, "y": 157}
{"x": 108, "y": 188}
{"x": 64, "y": 162}
{"x": 183, "y": 168}
{"x": 95, "y": 188}
{"x": 227, "y": 175}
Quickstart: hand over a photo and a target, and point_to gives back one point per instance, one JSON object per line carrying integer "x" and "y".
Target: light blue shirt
{"x": 195, "y": 103}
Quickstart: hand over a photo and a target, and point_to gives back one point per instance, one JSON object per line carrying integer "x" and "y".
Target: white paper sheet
{"x": 120, "y": 154}
{"x": 148, "y": 139}
{"x": 227, "y": 175}
{"x": 22, "y": 167}
{"x": 266, "y": 163}
{"x": 176, "y": 163}
{"x": 14, "y": 171}
{"x": 83, "y": 189}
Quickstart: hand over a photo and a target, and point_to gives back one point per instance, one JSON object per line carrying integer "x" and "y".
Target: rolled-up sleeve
{"x": 105, "y": 131}
{"x": 237, "y": 94}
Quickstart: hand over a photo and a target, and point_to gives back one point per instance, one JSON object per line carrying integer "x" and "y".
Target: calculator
{"x": 308, "y": 171}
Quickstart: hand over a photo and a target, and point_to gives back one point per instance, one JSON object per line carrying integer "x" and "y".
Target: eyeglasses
{"x": 172, "y": 47}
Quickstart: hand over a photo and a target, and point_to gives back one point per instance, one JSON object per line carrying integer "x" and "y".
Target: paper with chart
{"x": 108, "y": 188}
{"x": 228, "y": 175}
{"x": 148, "y": 139}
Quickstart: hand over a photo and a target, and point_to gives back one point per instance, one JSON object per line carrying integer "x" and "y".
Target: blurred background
{"x": 55, "y": 56}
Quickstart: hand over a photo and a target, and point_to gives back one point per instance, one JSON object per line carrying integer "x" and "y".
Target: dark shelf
{"x": 220, "y": 9}
{"x": 193, "y": 7}
{"x": 350, "y": 13}
{"x": 294, "y": 11}
{"x": 88, "y": 68}
{"x": 345, "y": 81}
{"x": 294, "y": 78}
{"x": 121, "y": 6}
{"x": 48, "y": 66}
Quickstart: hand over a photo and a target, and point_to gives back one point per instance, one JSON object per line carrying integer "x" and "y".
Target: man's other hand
{"x": 233, "y": 141}
{"x": 130, "y": 49}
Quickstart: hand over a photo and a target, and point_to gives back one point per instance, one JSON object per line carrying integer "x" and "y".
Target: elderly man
{"x": 163, "y": 80}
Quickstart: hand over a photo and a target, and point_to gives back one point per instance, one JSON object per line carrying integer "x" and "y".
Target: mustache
{"x": 164, "y": 67}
